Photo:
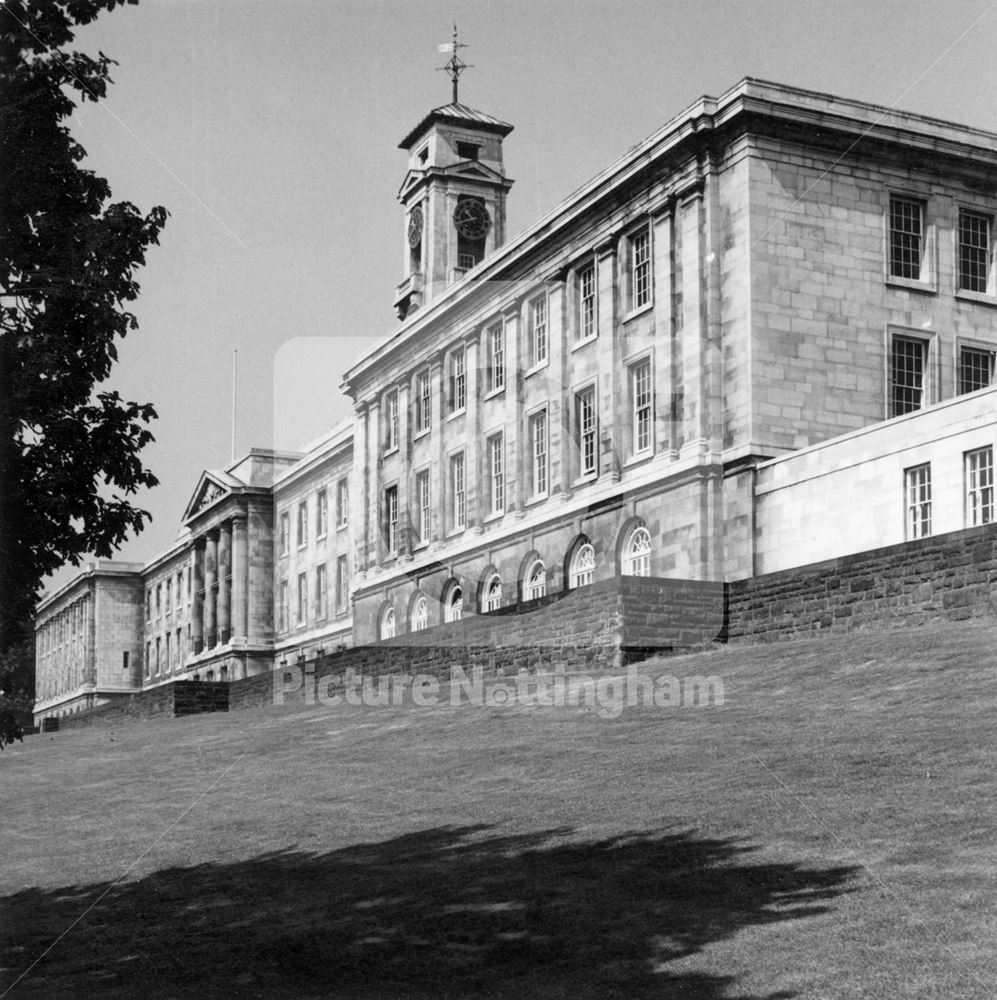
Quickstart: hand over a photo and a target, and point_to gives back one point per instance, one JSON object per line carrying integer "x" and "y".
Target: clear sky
{"x": 269, "y": 129}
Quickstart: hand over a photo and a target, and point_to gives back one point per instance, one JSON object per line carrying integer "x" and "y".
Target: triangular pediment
{"x": 474, "y": 170}
{"x": 412, "y": 179}
{"x": 211, "y": 488}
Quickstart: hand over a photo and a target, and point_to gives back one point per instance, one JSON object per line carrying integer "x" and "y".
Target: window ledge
{"x": 393, "y": 450}
{"x": 456, "y": 532}
{"x": 492, "y": 393}
{"x": 586, "y": 480}
{"x": 639, "y": 459}
{"x": 639, "y": 311}
{"x": 495, "y": 516}
{"x": 539, "y": 367}
{"x": 420, "y": 434}
{"x": 982, "y": 298}
{"x": 420, "y": 546}
{"x": 537, "y": 500}
{"x": 579, "y": 344}
{"x": 343, "y": 526}
{"x": 912, "y": 284}
{"x": 457, "y": 413}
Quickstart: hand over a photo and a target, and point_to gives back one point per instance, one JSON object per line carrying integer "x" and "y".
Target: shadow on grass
{"x": 442, "y": 913}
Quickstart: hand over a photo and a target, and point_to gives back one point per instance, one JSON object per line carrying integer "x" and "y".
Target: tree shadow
{"x": 451, "y": 912}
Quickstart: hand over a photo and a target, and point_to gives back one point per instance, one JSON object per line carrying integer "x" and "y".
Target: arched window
{"x": 582, "y": 566}
{"x": 493, "y": 593}
{"x": 388, "y": 624}
{"x": 455, "y": 605}
{"x": 637, "y": 554}
{"x": 536, "y": 581}
{"x": 420, "y": 615}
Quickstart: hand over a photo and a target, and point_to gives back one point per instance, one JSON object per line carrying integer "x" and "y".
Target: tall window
{"x": 974, "y": 252}
{"x": 585, "y": 430}
{"x": 391, "y": 420}
{"x": 342, "y": 502}
{"x": 302, "y": 616}
{"x": 917, "y": 483}
{"x": 637, "y": 554}
{"x": 493, "y": 594}
{"x": 496, "y": 474}
{"x": 976, "y": 369}
{"x": 582, "y": 566}
{"x": 979, "y": 487}
{"x": 457, "y": 378}
{"x": 537, "y": 330}
{"x": 640, "y": 269}
{"x": 391, "y": 519}
{"x": 388, "y": 624}
{"x": 321, "y": 592}
{"x": 282, "y": 607}
{"x": 538, "y": 453}
{"x": 587, "y": 315}
{"x": 302, "y": 524}
{"x": 908, "y": 357}
{"x": 422, "y": 495}
{"x": 458, "y": 496}
{"x": 342, "y": 583}
{"x": 420, "y": 615}
{"x": 322, "y": 514}
{"x": 906, "y": 238}
{"x": 496, "y": 356}
{"x": 536, "y": 581}
{"x": 454, "y": 607}
{"x": 424, "y": 402}
{"x": 642, "y": 401}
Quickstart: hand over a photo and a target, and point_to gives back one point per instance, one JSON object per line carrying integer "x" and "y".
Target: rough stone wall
{"x": 176, "y": 698}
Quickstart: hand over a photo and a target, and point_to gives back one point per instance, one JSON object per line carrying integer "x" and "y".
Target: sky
{"x": 269, "y": 130}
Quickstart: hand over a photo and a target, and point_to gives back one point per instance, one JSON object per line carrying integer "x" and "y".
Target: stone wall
{"x": 176, "y": 698}
{"x": 948, "y": 577}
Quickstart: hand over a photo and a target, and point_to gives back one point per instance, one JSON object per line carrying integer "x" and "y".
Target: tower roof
{"x": 456, "y": 114}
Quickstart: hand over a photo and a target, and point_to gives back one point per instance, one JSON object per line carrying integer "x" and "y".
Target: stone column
{"x": 225, "y": 582}
{"x": 197, "y": 597}
{"x": 210, "y": 577}
{"x": 240, "y": 579}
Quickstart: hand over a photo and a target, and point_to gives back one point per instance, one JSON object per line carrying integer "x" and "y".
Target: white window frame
{"x": 987, "y": 248}
{"x": 458, "y": 491}
{"x": 391, "y": 421}
{"x": 321, "y": 592}
{"x": 457, "y": 381}
{"x": 285, "y": 533}
{"x": 453, "y": 609}
{"x": 978, "y": 465}
{"x": 495, "y": 345}
{"x": 535, "y": 581}
{"x": 301, "y": 616}
{"x": 917, "y": 501}
{"x": 342, "y": 501}
{"x": 588, "y": 303}
{"x": 283, "y": 606}
{"x": 587, "y": 431}
{"x": 641, "y": 406}
{"x": 420, "y": 614}
{"x": 391, "y": 519}
{"x": 640, "y": 261}
{"x": 962, "y": 349}
{"x": 342, "y": 583}
{"x": 492, "y": 594}
{"x": 423, "y": 401}
{"x": 388, "y": 624}
{"x": 302, "y": 523}
{"x": 538, "y": 330}
{"x": 895, "y": 265}
{"x": 539, "y": 442}
{"x": 582, "y": 571}
{"x": 423, "y": 497}
{"x": 495, "y": 452}
{"x": 322, "y": 514}
{"x": 894, "y": 387}
{"x": 637, "y": 553}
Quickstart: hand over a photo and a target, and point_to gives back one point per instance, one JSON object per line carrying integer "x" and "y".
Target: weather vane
{"x": 455, "y": 65}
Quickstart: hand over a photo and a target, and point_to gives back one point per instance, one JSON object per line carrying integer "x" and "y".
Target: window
{"x": 917, "y": 482}
{"x": 285, "y": 533}
{"x": 906, "y": 238}
{"x": 495, "y": 343}
{"x": 391, "y": 519}
{"x": 148, "y": 605}
{"x": 168, "y": 586}
{"x": 458, "y": 505}
{"x": 585, "y": 430}
{"x": 342, "y": 502}
{"x": 974, "y": 252}
{"x": 907, "y": 367}
{"x": 422, "y": 494}
{"x": 342, "y": 583}
{"x": 976, "y": 369}
{"x": 282, "y": 622}
{"x": 538, "y": 453}
{"x": 148, "y": 659}
{"x": 457, "y": 379}
{"x": 423, "y": 402}
{"x": 420, "y": 615}
{"x": 979, "y": 487}
{"x": 322, "y": 514}
{"x": 637, "y": 554}
{"x": 159, "y": 661}
{"x": 388, "y": 624}
{"x": 159, "y": 599}
{"x": 582, "y": 566}
{"x": 468, "y": 150}
{"x": 302, "y": 616}
{"x": 493, "y": 594}
{"x": 642, "y": 399}
{"x": 454, "y": 608}
{"x": 167, "y": 654}
{"x": 587, "y": 325}
{"x": 321, "y": 593}
{"x": 496, "y": 474}
{"x": 536, "y": 581}
{"x": 391, "y": 421}
{"x": 537, "y": 331}
{"x": 124, "y": 660}
{"x": 640, "y": 269}
{"x": 302, "y": 524}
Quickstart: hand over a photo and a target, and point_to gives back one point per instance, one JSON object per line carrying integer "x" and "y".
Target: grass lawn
{"x": 828, "y": 833}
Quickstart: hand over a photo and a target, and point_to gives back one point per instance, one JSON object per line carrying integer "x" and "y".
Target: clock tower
{"x": 454, "y": 198}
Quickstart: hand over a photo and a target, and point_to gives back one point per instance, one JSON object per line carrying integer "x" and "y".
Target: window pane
{"x": 906, "y": 375}
{"x": 975, "y": 369}
{"x": 905, "y": 238}
{"x": 974, "y": 251}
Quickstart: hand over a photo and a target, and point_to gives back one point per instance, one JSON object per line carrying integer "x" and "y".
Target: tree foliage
{"x": 69, "y": 451}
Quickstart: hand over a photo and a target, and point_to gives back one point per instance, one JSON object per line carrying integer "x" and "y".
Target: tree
{"x": 69, "y": 452}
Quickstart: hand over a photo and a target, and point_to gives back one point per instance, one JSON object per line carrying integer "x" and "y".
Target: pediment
{"x": 474, "y": 170}
{"x": 211, "y": 488}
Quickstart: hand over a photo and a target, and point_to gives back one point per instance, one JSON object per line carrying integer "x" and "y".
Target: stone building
{"x": 764, "y": 336}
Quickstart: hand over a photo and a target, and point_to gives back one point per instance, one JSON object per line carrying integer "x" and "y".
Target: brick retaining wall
{"x": 947, "y": 577}
{"x": 175, "y": 698}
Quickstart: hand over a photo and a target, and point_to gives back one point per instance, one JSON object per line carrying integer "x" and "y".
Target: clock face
{"x": 471, "y": 219}
{"x": 415, "y": 226}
